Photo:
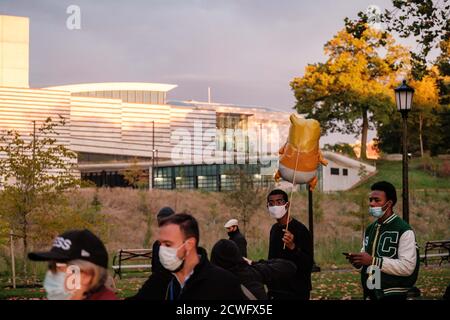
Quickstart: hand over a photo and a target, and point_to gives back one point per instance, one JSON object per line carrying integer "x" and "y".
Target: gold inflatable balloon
{"x": 300, "y": 156}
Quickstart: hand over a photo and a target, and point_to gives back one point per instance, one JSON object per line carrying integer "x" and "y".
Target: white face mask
{"x": 169, "y": 259}
{"x": 54, "y": 285}
{"x": 277, "y": 212}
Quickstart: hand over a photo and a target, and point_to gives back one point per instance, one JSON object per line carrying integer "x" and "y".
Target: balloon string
{"x": 291, "y": 195}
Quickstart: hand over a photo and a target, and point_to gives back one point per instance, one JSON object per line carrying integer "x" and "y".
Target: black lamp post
{"x": 403, "y": 98}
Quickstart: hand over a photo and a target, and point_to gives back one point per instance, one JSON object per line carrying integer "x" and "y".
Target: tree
{"x": 427, "y": 20}
{"x": 4, "y": 230}
{"x": 247, "y": 196}
{"x": 426, "y": 100}
{"x": 428, "y": 121}
{"x": 443, "y": 65}
{"x": 343, "y": 148}
{"x": 354, "y": 86}
{"x": 135, "y": 176}
{"x": 35, "y": 172}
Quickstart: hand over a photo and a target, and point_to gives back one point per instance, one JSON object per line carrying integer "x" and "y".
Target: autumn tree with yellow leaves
{"x": 353, "y": 88}
{"x": 428, "y": 121}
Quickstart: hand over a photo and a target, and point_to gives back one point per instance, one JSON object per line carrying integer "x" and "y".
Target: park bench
{"x": 439, "y": 249}
{"x": 126, "y": 259}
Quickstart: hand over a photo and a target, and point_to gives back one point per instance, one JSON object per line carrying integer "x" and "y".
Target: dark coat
{"x": 208, "y": 282}
{"x": 268, "y": 272}
{"x": 299, "y": 286}
{"x": 154, "y": 287}
{"x": 238, "y": 238}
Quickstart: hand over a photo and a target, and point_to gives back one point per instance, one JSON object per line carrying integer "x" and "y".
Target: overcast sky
{"x": 247, "y": 51}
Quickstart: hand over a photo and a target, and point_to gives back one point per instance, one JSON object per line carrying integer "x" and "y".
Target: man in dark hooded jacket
{"x": 236, "y": 236}
{"x": 253, "y": 275}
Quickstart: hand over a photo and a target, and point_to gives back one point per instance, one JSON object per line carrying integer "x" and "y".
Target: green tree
{"x": 427, "y": 20}
{"x": 4, "y": 230}
{"x": 343, "y": 148}
{"x": 246, "y": 197}
{"x": 35, "y": 171}
{"x": 354, "y": 86}
{"x": 428, "y": 122}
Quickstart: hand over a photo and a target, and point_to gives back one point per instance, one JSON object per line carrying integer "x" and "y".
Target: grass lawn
{"x": 332, "y": 285}
{"x": 345, "y": 285}
{"x": 418, "y": 179}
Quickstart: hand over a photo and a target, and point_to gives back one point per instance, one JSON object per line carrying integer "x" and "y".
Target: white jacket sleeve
{"x": 405, "y": 264}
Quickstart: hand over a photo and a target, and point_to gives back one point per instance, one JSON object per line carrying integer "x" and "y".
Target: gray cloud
{"x": 246, "y": 50}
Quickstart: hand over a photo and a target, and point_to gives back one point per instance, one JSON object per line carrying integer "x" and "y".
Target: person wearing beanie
{"x": 78, "y": 263}
{"x": 164, "y": 213}
{"x": 236, "y": 236}
{"x": 253, "y": 275}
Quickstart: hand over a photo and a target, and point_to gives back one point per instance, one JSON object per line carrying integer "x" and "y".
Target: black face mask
{"x": 232, "y": 232}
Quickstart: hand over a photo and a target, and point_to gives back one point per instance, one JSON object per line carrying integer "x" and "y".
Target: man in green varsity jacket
{"x": 389, "y": 258}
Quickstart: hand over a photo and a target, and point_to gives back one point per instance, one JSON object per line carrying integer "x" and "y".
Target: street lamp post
{"x": 152, "y": 184}
{"x": 403, "y": 98}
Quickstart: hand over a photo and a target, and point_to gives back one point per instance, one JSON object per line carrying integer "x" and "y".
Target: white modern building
{"x": 179, "y": 144}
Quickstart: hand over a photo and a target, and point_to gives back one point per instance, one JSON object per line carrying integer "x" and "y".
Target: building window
{"x": 228, "y": 126}
{"x": 208, "y": 183}
{"x": 345, "y": 172}
{"x": 334, "y": 171}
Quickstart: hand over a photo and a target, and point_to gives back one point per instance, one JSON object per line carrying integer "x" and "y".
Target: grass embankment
{"x": 340, "y": 219}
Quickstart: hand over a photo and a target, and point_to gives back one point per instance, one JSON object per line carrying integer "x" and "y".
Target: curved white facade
{"x": 115, "y": 86}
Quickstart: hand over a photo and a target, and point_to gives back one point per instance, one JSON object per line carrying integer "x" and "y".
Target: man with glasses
{"x": 293, "y": 243}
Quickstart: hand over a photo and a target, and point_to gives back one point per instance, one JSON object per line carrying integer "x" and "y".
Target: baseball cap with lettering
{"x": 75, "y": 245}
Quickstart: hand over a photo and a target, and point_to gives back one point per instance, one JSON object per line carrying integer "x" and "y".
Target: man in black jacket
{"x": 253, "y": 275}
{"x": 160, "y": 276}
{"x": 193, "y": 276}
{"x": 236, "y": 236}
{"x": 293, "y": 244}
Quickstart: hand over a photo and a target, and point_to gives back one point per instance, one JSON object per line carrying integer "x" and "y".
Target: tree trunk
{"x": 420, "y": 134}
{"x": 365, "y": 129}
{"x": 25, "y": 243}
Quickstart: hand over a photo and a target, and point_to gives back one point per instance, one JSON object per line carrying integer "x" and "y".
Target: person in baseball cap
{"x": 78, "y": 263}
{"x": 236, "y": 236}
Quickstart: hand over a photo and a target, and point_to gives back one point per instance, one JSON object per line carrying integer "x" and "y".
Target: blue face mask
{"x": 377, "y": 212}
{"x": 54, "y": 285}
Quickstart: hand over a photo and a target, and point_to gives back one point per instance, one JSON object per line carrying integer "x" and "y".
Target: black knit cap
{"x": 75, "y": 245}
{"x": 164, "y": 213}
{"x": 226, "y": 254}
